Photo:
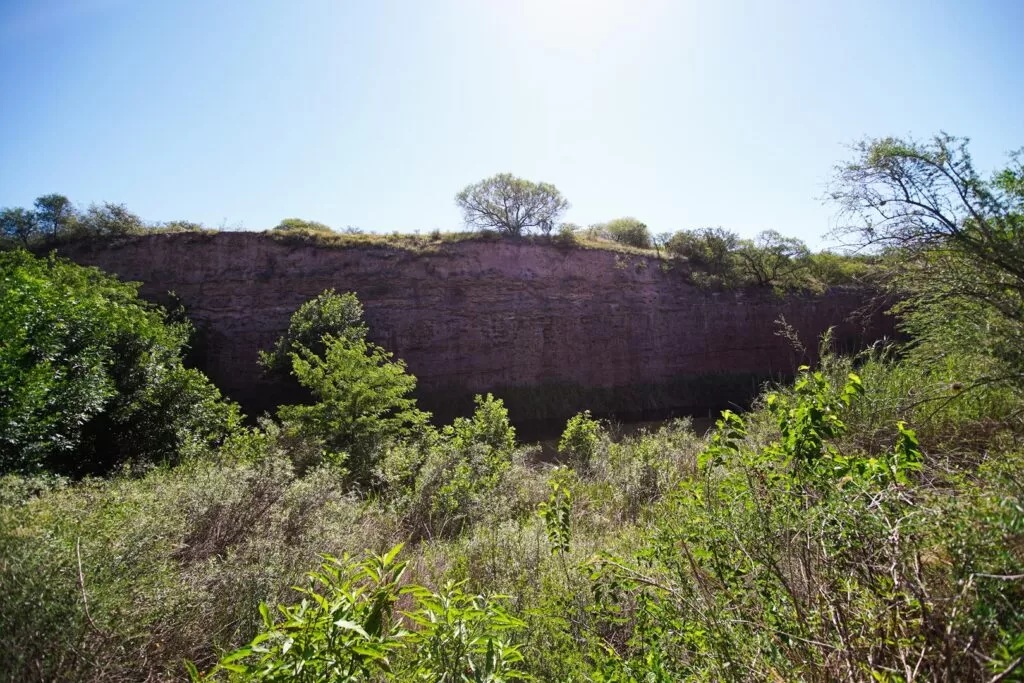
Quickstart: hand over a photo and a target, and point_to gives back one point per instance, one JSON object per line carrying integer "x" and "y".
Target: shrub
{"x": 578, "y": 443}
{"x": 349, "y": 631}
{"x": 628, "y": 231}
{"x": 92, "y": 377}
{"x": 363, "y": 402}
{"x": 793, "y": 557}
{"x": 300, "y": 225}
{"x": 708, "y": 249}
{"x": 462, "y": 476}
{"x": 338, "y": 315}
{"x": 172, "y": 564}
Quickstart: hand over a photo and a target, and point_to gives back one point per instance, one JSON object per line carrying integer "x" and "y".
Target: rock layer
{"x": 553, "y": 329}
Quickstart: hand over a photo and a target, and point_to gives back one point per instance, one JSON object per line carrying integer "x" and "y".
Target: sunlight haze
{"x": 683, "y": 114}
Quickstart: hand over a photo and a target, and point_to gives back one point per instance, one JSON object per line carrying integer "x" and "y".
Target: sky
{"x": 684, "y": 114}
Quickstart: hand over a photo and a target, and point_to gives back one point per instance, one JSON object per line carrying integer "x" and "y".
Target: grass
{"x": 124, "y": 578}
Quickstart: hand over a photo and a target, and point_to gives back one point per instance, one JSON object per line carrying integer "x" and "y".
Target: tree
{"x": 111, "y": 219}
{"x": 952, "y": 243}
{"x": 18, "y": 225}
{"x": 363, "y": 402}
{"x": 55, "y": 213}
{"x": 330, "y": 313}
{"x": 362, "y": 397}
{"x": 709, "y": 249}
{"x": 628, "y": 231}
{"x": 91, "y": 376}
{"x": 771, "y": 260}
{"x": 511, "y": 205}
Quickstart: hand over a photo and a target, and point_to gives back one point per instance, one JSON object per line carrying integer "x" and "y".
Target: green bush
{"x": 794, "y": 558}
{"x": 92, "y": 377}
{"x": 348, "y": 630}
{"x": 463, "y": 475}
{"x": 363, "y": 403}
{"x": 628, "y": 231}
{"x": 330, "y": 313}
{"x": 300, "y": 225}
{"x": 171, "y": 565}
{"x": 578, "y": 443}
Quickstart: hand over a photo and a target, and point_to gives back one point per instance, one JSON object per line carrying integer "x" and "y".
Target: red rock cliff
{"x": 553, "y": 329}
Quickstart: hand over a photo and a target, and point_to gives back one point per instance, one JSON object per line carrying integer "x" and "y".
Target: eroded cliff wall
{"x": 553, "y": 329}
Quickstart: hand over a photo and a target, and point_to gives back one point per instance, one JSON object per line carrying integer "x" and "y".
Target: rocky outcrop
{"x": 553, "y": 329}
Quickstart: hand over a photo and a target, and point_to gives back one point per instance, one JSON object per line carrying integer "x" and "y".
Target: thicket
{"x": 865, "y": 522}
{"x": 92, "y": 378}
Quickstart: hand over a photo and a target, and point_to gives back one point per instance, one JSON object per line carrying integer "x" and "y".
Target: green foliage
{"x": 709, "y": 250}
{"x": 579, "y": 441}
{"x": 337, "y": 315}
{"x": 181, "y": 226}
{"x": 55, "y": 214}
{"x": 346, "y": 629}
{"x": 298, "y": 224}
{"x": 628, "y": 231}
{"x": 772, "y": 260}
{"x": 828, "y": 268}
{"x": 557, "y": 512}
{"x": 18, "y": 226}
{"x": 799, "y": 558}
{"x": 458, "y": 477}
{"x": 489, "y": 427}
{"x": 953, "y": 245}
{"x": 363, "y": 402}
{"x": 460, "y": 637}
{"x": 109, "y": 220}
{"x": 172, "y": 564}
{"x": 511, "y": 205}
{"x": 92, "y": 377}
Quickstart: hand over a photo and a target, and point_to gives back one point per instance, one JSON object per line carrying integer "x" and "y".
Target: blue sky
{"x": 374, "y": 114}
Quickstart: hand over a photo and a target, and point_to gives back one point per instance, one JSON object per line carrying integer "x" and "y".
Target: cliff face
{"x": 552, "y": 329}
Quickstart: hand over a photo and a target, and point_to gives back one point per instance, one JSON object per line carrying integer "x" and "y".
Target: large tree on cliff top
{"x": 511, "y": 205}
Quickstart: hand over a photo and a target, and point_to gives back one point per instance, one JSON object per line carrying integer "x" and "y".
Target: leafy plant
{"x": 346, "y": 629}
{"x": 363, "y": 403}
{"x": 91, "y": 376}
{"x": 557, "y": 512}
{"x": 578, "y": 443}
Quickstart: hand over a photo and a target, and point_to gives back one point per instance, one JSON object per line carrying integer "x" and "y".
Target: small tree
{"x": 579, "y": 440}
{"x": 771, "y": 260}
{"x": 953, "y": 243}
{"x": 330, "y": 313}
{"x": 55, "y": 213}
{"x": 511, "y": 205}
{"x": 111, "y": 219}
{"x": 709, "y": 249}
{"x": 363, "y": 403}
{"x": 628, "y": 231}
{"x": 18, "y": 225}
{"x": 91, "y": 376}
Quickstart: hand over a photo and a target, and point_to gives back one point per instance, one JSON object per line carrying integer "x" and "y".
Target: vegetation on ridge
{"x": 864, "y": 523}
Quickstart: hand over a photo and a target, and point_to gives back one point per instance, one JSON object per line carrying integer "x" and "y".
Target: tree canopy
{"x": 91, "y": 376}
{"x": 362, "y": 395}
{"x": 628, "y": 231}
{"x": 511, "y": 205}
{"x": 953, "y": 242}
{"x": 330, "y": 313}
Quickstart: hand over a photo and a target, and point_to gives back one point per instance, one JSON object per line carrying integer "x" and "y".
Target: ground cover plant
{"x": 863, "y": 522}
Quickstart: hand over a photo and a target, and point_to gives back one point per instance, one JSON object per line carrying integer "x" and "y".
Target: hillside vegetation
{"x": 865, "y": 523}
{"x": 708, "y": 257}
